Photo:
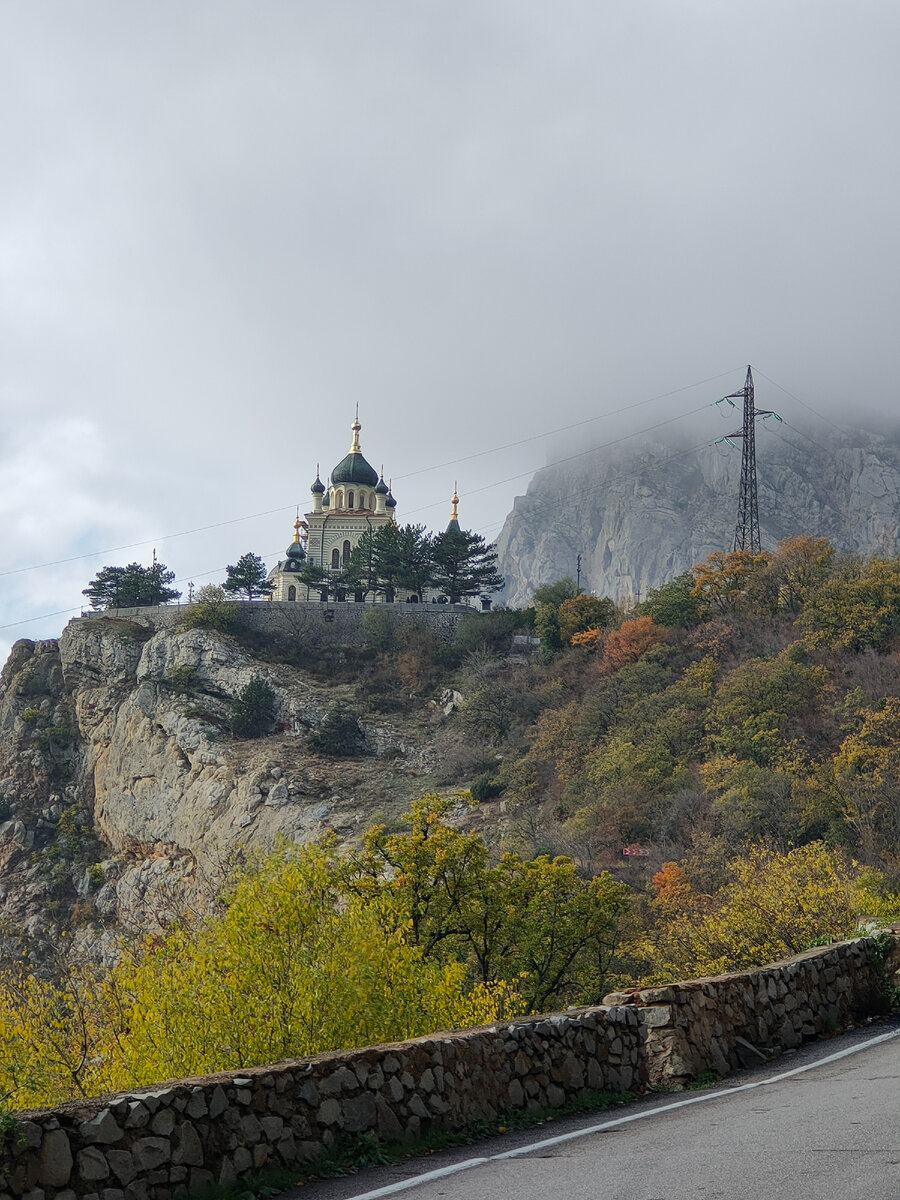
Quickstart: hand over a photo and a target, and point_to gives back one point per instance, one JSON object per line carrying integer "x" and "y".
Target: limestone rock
{"x": 641, "y": 515}
{"x": 115, "y": 738}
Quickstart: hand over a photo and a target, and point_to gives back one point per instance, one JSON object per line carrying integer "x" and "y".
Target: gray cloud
{"x": 223, "y": 224}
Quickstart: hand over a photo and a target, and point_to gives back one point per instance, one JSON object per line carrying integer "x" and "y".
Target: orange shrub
{"x": 627, "y": 643}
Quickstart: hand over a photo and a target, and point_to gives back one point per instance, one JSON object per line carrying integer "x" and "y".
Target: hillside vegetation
{"x": 737, "y": 735}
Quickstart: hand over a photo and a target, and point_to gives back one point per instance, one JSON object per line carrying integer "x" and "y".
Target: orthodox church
{"x": 355, "y": 500}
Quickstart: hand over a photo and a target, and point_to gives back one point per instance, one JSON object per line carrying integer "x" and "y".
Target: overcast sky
{"x": 224, "y": 224}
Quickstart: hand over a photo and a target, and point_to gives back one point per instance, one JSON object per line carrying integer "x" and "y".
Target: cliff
{"x": 642, "y": 515}
{"x": 123, "y": 797}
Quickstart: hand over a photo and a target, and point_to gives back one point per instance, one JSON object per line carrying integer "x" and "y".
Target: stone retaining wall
{"x": 338, "y": 623}
{"x": 163, "y": 1142}
{"x": 733, "y": 1021}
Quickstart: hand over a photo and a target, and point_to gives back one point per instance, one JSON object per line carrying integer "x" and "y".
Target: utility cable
{"x": 424, "y": 470}
{"x": 190, "y": 576}
{"x": 146, "y": 542}
{"x": 570, "y": 457}
{"x": 486, "y": 487}
{"x": 803, "y": 403}
{"x": 614, "y": 412}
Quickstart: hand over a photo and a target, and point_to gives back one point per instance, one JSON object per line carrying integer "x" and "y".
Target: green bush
{"x": 54, "y": 735}
{"x": 31, "y": 714}
{"x": 95, "y": 876}
{"x": 182, "y": 679}
{"x": 212, "y": 610}
{"x": 253, "y": 710}
{"x": 376, "y": 628}
{"x": 339, "y": 735}
{"x": 485, "y": 787}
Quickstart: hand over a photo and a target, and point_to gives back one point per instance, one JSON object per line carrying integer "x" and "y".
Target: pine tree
{"x": 464, "y": 565}
{"x": 415, "y": 558}
{"x": 389, "y": 558}
{"x": 253, "y": 709}
{"x": 248, "y": 575}
{"x": 133, "y": 586}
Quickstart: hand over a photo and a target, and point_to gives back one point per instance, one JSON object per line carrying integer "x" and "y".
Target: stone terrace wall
{"x": 164, "y": 1142}
{"x": 335, "y": 623}
{"x": 730, "y": 1021}
{"x": 160, "y": 1143}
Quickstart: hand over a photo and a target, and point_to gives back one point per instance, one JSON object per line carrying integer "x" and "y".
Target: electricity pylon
{"x": 746, "y": 531}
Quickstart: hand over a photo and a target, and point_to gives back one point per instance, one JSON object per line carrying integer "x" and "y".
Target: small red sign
{"x": 637, "y": 851}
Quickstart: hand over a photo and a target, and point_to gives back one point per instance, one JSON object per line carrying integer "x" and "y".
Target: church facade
{"x": 356, "y": 499}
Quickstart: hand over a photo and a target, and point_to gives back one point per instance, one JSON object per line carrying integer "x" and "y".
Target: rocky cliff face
{"x": 641, "y": 516}
{"x": 121, "y": 797}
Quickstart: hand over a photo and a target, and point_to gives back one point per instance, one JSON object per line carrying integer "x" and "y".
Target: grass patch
{"x": 704, "y": 1079}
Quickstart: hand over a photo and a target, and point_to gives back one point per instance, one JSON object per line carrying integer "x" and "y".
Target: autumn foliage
{"x": 316, "y": 950}
{"x": 741, "y": 729}
{"x": 629, "y": 642}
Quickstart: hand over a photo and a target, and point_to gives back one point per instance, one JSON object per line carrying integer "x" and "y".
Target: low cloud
{"x": 61, "y": 496}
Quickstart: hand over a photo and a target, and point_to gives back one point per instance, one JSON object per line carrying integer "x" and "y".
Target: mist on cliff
{"x": 224, "y": 225}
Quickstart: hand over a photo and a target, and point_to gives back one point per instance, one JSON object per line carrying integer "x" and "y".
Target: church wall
{"x": 329, "y": 532}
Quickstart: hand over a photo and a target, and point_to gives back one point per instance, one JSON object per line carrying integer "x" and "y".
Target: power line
{"x": 424, "y": 470}
{"x": 571, "y": 457}
{"x": 803, "y": 403}
{"x": 532, "y": 499}
{"x": 188, "y": 578}
{"x": 609, "y": 480}
{"x": 146, "y": 542}
{"x": 615, "y": 412}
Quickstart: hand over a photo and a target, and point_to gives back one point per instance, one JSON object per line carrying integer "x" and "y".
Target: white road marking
{"x": 701, "y": 1098}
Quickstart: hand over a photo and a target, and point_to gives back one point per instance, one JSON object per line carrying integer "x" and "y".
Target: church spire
{"x": 298, "y": 524}
{"x": 356, "y": 427}
{"x": 453, "y": 527}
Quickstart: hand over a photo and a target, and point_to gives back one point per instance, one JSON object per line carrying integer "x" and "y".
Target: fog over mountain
{"x": 224, "y": 224}
{"x": 640, "y": 513}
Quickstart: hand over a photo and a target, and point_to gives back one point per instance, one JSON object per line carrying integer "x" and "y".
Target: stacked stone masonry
{"x": 173, "y": 1140}
{"x": 339, "y": 623}
{"x": 733, "y": 1021}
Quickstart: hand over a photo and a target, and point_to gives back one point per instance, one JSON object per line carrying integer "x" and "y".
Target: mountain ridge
{"x": 642, "y": 514}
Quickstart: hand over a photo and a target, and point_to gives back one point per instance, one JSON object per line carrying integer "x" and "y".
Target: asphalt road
{"x": 819, "y": 1124}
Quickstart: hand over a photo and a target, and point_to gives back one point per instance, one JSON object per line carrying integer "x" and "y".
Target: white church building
{"x": 356, "y": 499}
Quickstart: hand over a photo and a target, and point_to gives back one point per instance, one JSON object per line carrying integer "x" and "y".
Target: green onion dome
{"x": 295, "y": 552}
{"x": 353, "y": 468}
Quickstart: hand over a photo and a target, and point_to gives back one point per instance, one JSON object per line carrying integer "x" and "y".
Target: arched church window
{"x": 363, "y": 501}
{"x": 346, "y": 552}
{"x": 335, "y": 559}
{"x": 350, "y": 500}
{"x": 340, "y": 498}
{"x": 292, "y": 593}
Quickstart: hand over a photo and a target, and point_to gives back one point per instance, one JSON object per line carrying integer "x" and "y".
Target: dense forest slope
{"x": 643, "y": 512}
{"x": 754, "y": 700}
{"x": 705, "y": 784}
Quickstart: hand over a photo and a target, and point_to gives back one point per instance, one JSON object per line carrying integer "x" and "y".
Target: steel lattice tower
{"x": 746, "y": 531}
